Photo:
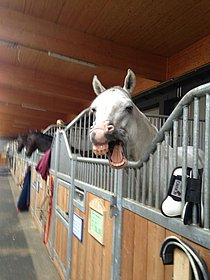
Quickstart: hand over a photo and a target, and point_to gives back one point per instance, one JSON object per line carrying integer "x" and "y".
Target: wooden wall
{"x": 3, "y": 160}
{"x": 190, "y": 58}
{"x": 90, "y": 259}
{"x": 141, "y": 241}
{"x": 141, "y": 245}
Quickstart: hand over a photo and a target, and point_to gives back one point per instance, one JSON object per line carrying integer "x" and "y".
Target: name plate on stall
{"x": 78, "y": 227}
{"x": 96, "y": 221}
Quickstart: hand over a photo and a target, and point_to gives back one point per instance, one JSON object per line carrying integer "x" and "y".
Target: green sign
{"x": 96, "y": 223}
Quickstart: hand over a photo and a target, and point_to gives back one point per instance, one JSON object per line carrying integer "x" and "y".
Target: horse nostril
{"x": 110, "y": 128}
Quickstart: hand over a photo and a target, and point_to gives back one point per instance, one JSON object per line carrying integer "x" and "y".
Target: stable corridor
{"x": 22, "y": 254}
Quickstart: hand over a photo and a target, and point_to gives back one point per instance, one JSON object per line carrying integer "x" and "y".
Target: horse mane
{"x": 43, "y": 135}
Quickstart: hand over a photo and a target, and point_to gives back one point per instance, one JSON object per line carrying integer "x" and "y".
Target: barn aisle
{"x": 22, "y": 253}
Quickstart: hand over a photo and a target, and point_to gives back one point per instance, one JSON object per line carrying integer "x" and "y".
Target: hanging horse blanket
{"x": 43, "y": 165}
{"x": 24, "y": 199}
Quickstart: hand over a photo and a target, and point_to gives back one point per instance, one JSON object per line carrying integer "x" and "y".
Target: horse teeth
{"x": 100, "y": 152}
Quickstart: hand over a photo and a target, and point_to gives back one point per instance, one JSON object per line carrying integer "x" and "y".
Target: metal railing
{"x": 147, "y": 180}
{"x": 142, "y": 186}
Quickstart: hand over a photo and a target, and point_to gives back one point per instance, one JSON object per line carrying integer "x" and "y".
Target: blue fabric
{"x": 24, "y": 199}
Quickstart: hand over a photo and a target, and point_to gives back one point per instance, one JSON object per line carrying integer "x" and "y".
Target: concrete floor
{"x": 23, "y": 256}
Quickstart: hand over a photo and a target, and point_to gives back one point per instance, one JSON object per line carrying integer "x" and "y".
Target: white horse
{"x": 120, "y": 128}
{"x": 123, "y": 132}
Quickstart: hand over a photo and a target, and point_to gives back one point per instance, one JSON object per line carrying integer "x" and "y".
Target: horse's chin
{"x": 115, "y": 151}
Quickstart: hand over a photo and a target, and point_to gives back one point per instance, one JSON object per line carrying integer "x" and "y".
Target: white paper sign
{"x": 78, "y": 227}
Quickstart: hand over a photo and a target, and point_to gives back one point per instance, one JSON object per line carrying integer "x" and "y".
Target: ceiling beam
{"x": 18, "y": 111}
{"x": 47, "y": 36}
{"x": 21, "y": 78}
{"x": 25, "y": 98}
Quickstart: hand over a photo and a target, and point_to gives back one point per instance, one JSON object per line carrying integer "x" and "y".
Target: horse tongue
{"x": 117, "y": 157}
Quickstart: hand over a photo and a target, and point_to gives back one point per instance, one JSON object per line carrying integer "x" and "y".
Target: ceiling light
{"x": 9, "y": 44}
{"x": 70, "y": 59}
{"x": 18, "y": 126}
{"x": 21, "y": 122}
{"x": 32, "y": 107}
{"x": 4, "y": 103}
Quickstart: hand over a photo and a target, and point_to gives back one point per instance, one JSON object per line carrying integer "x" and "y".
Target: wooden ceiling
{"x": 50, "y": 50}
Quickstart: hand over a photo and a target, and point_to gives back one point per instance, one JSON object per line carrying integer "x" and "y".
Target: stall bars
{"x": 82, "y": 172}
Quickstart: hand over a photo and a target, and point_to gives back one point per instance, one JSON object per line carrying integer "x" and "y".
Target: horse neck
{"x": 43, "y": 144}
{"x": 145, "y": 133}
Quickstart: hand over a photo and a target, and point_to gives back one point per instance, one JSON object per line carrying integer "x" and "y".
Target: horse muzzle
{"x": 105, "y": 141}
{"x": 98, "y": 137}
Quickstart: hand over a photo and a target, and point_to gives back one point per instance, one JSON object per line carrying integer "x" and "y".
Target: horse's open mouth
{"x": 115, "y": 151}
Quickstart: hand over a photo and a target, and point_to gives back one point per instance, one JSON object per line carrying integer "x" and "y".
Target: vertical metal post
{"x": 117, "y": 228}
{"x": 166, "y": 163}
{"x": 57, "y": 154}
{"x": 144, "y": 182}
{"x": 157, "y": 179}
{"x": 138, "y": 184}
{"x": 195, "y": 137}
{"x": 207, "y": 166}
{"x": 184, "y": 152}
{"x": 70, "y": 220}
{"x": 195, "y": 149}
{"x": 150, "y": 191}
{"x": 35, "y": 191}
{"x": 175, "y": 142}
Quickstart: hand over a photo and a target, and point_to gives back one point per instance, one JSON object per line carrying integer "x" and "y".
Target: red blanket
{"x": 43, "y": 165}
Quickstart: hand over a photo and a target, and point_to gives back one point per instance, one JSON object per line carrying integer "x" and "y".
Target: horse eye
{"x": 93, "y": 110}
{"x": 129, "y": 108}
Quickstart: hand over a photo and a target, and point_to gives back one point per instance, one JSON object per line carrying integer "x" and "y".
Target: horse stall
{"x": 103, "y": 223}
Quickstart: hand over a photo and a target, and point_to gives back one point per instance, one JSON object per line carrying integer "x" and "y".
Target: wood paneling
{"x": 190, "y": 58}
{"x": 63, "y": 199}
{"x": 21, "y": 28}
{"x": 60, "y": 243}
{"x": 141, "y": 245}
{"x": 90, "y": 259}
{"x": 142, "y": 37}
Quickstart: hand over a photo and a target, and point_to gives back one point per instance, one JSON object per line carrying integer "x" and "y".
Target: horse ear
{"x": 97, "y": 86}
{"x": 130, "y": 81}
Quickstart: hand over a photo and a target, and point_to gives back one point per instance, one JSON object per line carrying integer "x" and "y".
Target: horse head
{"x": 31, "y": 144}
{"x": 21, "y": 141}
{"x": 38, "y": 140}
{"x": 119, "y": 128}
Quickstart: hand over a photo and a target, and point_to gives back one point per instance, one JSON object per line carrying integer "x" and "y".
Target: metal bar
{"x": 195, "y": 149}
{"x": 184, "y": 152}
{"x": 195, "y": 137}
{"x": 138, "y": 184}
{"x": 133, "y": 191}
{"x": 129, "y": 184}
{"x": 117, "y": 228}
{"x": 166, "y": 163}
{"x": 206, "y": 190}
{"x": 157, "y": 179}
{"x": 187, "y": 99}
{"x": 70, "y": 221}
{"x": 144, "y": 183}
{"x": 150, "y": 190}
{"x": 57, "y": 153}
{"x": 175, "y": 142}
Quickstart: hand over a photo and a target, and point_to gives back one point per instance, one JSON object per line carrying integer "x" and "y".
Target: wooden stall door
{"x": 91, "y": 260}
